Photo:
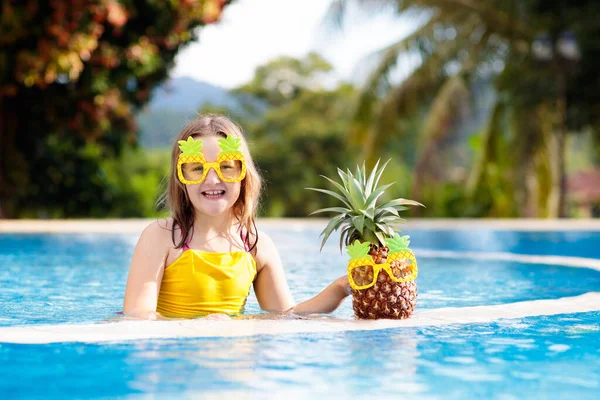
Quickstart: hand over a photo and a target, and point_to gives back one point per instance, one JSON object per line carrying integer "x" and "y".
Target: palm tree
{"x": 459, "y": 44}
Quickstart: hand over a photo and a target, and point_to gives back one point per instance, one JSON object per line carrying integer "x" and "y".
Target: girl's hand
{"x": 218, "y": 317}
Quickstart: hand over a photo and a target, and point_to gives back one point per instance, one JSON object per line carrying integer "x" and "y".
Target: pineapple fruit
{"x": 362, "y": 221}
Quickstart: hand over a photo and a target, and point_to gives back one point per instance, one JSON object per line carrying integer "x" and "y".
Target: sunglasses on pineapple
{"x": 401, "y": 265}
{"x": 192, "y": 167}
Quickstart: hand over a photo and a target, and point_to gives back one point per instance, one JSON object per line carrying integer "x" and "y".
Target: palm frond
{"x": 401, "y": 102}
{"x": 488, "y": 150}
{"x": 338, "y": 9}
{"x": 444, "y": 112}
{"x": 495, "y": 18}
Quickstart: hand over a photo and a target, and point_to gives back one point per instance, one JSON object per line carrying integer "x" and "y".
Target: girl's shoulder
{"x": 159, "y": 231}
{"x": 265, "y": 249}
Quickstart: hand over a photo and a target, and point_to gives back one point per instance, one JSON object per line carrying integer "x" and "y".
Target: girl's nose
{"x": 212, "y": 176}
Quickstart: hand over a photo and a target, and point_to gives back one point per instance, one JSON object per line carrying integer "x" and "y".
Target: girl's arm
{"x": 272, "y": 290}
{"x": 145, "y": 274}
{"x": 270, "y": 286}
{"x": 328, "y": 300}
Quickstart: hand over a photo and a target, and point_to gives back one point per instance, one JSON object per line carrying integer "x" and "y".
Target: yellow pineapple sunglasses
{"x": 192, "y": 167}
{"x": 363, "y": 272}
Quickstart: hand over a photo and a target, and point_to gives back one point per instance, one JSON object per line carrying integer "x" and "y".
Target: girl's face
{"x": 213, "y": 197}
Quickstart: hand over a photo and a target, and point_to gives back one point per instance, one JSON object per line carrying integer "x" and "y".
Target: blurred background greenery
{"x": 496, "y": 112}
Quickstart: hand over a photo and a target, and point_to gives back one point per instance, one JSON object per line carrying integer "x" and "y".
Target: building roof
{"x": 584, "y": 186}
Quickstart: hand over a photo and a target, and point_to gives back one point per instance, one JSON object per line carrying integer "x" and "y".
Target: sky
{"x": 252, "y": 32}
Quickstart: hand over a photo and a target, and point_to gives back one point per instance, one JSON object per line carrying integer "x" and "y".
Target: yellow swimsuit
{"x": 200, "y": 283}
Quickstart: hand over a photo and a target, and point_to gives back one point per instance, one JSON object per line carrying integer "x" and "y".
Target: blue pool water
{"x": 73, "y": 278}
{"x": 569, "y": 243}
{"x": 543, "y": 357}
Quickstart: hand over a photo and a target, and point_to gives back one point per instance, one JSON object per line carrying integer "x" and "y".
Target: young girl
{"x": 205, "y": 258}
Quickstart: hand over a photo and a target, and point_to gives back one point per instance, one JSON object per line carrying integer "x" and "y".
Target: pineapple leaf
{"x": 360, "y": 218}
{"x": 384, "y": 212}
{"x": 343, "y": 235}
{"x": 363, "y": 179}
{"x": 339, "y": 187}
{"x": 334, "y": 194}
{"x": 372, "y": 200}
{"x": 369, "y": 212}
{"x": 398, "y": 243}
{"x": 358, "y": 175}
{"x": 402, "y": 202}
{"x": 370, "y": 225}
{"x": 359, "y": 223}
{"x": 370, "y": 184}
{"x": 358, "y": 250}
{"x": 190, "y": 147}
{"x": 230, "y": 144}
{"x": 380, "y": 237}
{"x": 339, "y": 210}
{"x": 388, "y": 230}
{"x": 343, "y": 177}
{"x": 332, "y": 226}
{"x": 391, "y": 219}
{"x": 376, "y": 175}
{"x": 357, "y": 198}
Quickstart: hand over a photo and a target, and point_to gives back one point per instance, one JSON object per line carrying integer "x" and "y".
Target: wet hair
{"x": 176, "y": 199}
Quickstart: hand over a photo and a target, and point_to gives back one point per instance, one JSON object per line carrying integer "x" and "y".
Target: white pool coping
{"x": 137, "y": 225}
{"x": 200, "y": 328}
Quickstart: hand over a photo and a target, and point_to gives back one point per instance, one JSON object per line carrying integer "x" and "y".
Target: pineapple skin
{"x": 386, "y": 299}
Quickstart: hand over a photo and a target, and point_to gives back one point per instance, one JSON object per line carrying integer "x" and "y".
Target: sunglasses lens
{"x": 231, "y": 169}
{"x": 402, "y": 268}
{"x": 362, "y": 275}
{"x": 192, "y": 171}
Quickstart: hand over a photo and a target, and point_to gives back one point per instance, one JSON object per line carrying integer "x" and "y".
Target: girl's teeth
{"x": 213, "y": 193}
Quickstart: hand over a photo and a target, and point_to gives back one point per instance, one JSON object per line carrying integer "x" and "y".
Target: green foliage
{"x": 73, "y": 75}
{"x": 458, "y": 44}
{"x": 284, "y": 78}
{"x": 71, "y": 183}
{"x": 299, "y": 135}
{"x": 86, "y": 185}
{"x": 75, "y": 72}
{"x": 137, "y": 179}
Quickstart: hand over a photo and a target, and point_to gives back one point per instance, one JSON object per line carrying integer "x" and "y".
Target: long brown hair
{"x": 177, "y": 201}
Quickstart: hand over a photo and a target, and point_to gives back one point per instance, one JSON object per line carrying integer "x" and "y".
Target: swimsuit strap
{"x": 244, "y": 236}
{"x": 186, "y": 246}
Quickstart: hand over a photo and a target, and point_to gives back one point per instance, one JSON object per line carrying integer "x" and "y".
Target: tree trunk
{"x": 556, "y": 206}
{"x": 8, "y": 156}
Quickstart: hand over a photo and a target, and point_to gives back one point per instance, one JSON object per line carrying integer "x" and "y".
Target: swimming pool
{"x": 79, "y": 279}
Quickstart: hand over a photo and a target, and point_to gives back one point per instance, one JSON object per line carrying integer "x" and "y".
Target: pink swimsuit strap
{"x": 244, "y": 237}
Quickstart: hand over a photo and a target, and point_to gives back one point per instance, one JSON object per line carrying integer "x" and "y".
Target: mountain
{"x": 173, "y": 104}
{"x": 187, "y": 95}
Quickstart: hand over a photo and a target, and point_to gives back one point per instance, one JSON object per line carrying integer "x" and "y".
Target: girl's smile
{"x": 213, "y": 194}
{"x": 213, "y": 197}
